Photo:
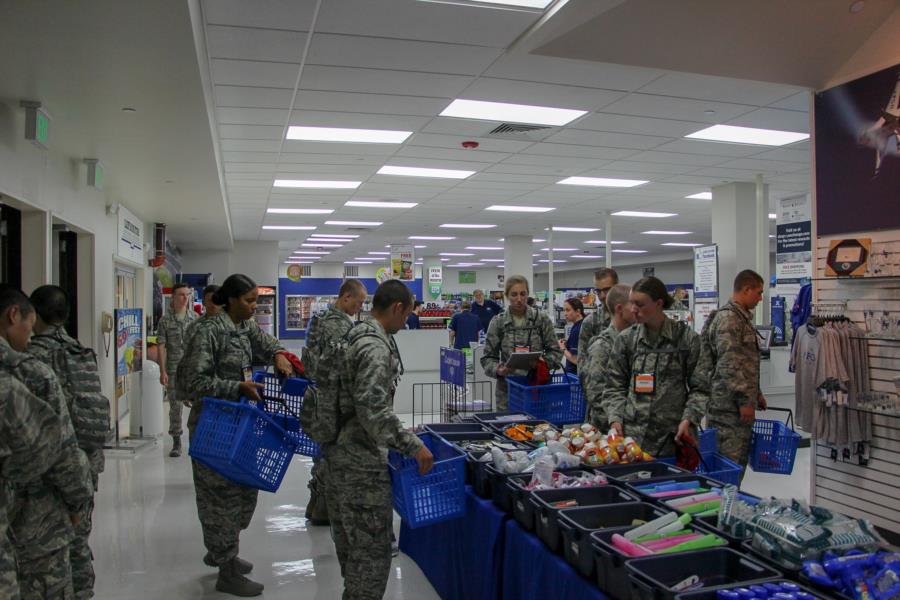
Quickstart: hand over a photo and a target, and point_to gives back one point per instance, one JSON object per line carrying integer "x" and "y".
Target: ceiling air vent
{"x": 306, "y": 270}
{"x": 513, "y": 129}
{"x": 351, "y": 271}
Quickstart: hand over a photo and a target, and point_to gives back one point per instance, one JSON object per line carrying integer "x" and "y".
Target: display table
{"x": 530, "y": 570}
{"x": 461, "y": 558}
{"x": 486, "y": 555}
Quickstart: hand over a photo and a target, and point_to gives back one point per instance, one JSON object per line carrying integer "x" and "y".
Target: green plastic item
{"x": 707, "y": 541}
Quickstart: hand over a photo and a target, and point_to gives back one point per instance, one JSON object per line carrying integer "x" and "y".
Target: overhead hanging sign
{"x": 131, "y": 236}
{"x": 793, "y": 244}
{"x": 435, "y": 280}
{"x": 706, "y": 273}
{"x": 402, "y": 259}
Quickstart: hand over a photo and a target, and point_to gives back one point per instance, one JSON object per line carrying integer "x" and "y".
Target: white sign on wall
{"x": 435, "y": 275}
{"x": 793, "y": 244}
{"x": 131, "y": 236}
{"x": 706, "y": 272}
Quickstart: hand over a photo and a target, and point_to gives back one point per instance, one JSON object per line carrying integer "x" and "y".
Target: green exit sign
{"x": 42, "y": 128}
{"x": 37, "y": 124}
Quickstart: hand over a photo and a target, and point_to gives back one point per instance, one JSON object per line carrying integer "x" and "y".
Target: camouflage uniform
{"x": 504, "y": 336}
{"x": 30, "y": 437}
{"x": 216, "y": 358}
{"x": 40, "y": 525}
{"x": 591, "y": 326}
{"x": 329, "y": 328}
{"x": 359, "y": 486}
{"x": 599, "y": 353}
{"x": 680, "y": 389}
{"x": 172, "y": 331}
{"x": 730, "y": 360}
{"x": 66, "y": 357}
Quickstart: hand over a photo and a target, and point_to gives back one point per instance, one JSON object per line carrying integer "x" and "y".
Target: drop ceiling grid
{"x": 648, "y": 97}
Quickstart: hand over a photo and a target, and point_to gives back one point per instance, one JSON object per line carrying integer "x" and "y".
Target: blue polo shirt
{"x": 486, "y": 312}
{"x": 466, "y": 325}
{"x": 412, "y": 321}
{"x": 572, "y": 346}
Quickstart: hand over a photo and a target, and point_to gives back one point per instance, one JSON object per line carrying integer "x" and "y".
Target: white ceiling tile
{"x": 255, "y": 44}
{"x": 567, "y": 162}
{"x": 274, "y": 14}
{"x": 683, "y": 109}
{"x": 253, "y": 73}
{"x": 530, "y": 67}
{"x": 452, "y": 154}
{"x": 540, "y": 94}
{"x": 765, "y": 165}
{"x": 574, "y": 150}
{"x": 369, "y": 103}
{"x": 785, "y": 155}
{"x": 710, "y": 148}
{"x": 251, "y": 116}
{"x": 500, "y": 186}
{"x": 674, "y": 158}
{"x": 315, "y": 118}
{"x": 798, "y": 101}
{"x": 771, "y": 118}
{"x": 378, "y": 81}
{"x": 351, "y": 172}
{"x": 248, "y": 157}
{"x": 727, "y": 174}
{"x": 641, "y": 125}
{"x": 251, "y": 132}
{"x": 703, "y": 183}
{"x": 330, "y": 159}
{"x": 255, "y": 146}
{"x": 540, "y": 169}
{"x": 724, "y": 89}
{"x": 601, "y": 138}
{"x": 504, "y": 177}
{"x": 240, "y": 167}
{"x": 462, "y": 127}
{"x": 252, "y": 97}
{"x": 453, "y": 141}
{"x": 648, "y": 168}
{"x": 378, "y": 188}
{"x": 400, "y": 55}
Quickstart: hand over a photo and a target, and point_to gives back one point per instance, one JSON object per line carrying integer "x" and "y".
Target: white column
{"x": 517, "y": 257}
{"x": 763, "y": 313}
{"x": 735, "y": 230}
{"x": 427, "y": 263}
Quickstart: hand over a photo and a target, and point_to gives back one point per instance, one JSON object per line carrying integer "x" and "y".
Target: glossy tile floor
{"x": 147, "y": 542}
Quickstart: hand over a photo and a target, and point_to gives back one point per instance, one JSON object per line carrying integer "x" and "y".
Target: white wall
{"x": 681, "y": 271}
{"x": 485, "y": 279}
{"x": 257, "y": 260}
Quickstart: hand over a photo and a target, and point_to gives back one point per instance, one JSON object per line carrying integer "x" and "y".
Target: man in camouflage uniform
{"x": 730, "y": 359}
{"x": 210, "y": 310}
{"x": 596, "y": 322}
{"x": 45, "y": 510}
{"x": 359, "y": 485}
{"x": 170, "y": 336}
{"x": 29, "y": 445}
{"x": 76, "y": 368}
{"x": 328, "y": 329}
{"x": 601, "y": 348}
{"x": 662, "y": 355}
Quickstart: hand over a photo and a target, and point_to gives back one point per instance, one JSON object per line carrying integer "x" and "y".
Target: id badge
{"x": 521, "y": 349}
{"x": 248, "y": 372}
{"x": 645, "y": 383}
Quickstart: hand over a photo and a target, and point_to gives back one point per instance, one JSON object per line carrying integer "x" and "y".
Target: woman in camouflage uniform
{"x": 218, "y": 359}
{"x": 519, "y": 328}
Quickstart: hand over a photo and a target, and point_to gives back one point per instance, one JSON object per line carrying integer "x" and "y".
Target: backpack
{"x": 80, "y": 380}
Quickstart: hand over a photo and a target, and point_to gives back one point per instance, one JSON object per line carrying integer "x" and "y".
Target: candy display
{"x": 861, "y": 576}
{"x": 522, "y": 432}
{"x": 547, "y": 458}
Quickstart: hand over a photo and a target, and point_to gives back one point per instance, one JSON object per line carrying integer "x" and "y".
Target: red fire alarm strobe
{"x": 470, "y": 145}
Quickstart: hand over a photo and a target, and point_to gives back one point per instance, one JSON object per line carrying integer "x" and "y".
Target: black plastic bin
{"x": 475, "y": 468}
{"x": 577, "y": 524}
{"x": 655, "y": 468}
{"x": 524, "y": 509}
{"x": 652, "y": 577}
{"x": 546, "y": 516}
{"x": 493, "y": 416}
{"x": 500, "y": 492}
{"x": 439, "y": 429}
{"x": 704, "y": 482}
{"x": 711, "y": 594}
{"x": 792, "y": 573}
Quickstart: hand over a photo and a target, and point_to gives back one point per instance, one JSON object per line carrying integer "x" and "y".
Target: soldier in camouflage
{"x": 210, "y": 310}
{"x": 359, "y": 485}
{"x": 170, "y": 336}
{"x": 30, "y": 438}
{"x": 46, "y": 510}
{"x": 218, "y": 364}
{"x": 596, "y": 322}
{"x": 328, "y": 329}
{"x": 76, "y": 369}
{"x": 653, "y": 391}
{"x": 730, "y": 360}
{"x": 600, "y": 350}
{"x": 519, "y": 328}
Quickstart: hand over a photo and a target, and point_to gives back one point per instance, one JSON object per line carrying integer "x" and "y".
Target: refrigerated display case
{"x": 300, "y": 309}
{"x": 266, "y": 310}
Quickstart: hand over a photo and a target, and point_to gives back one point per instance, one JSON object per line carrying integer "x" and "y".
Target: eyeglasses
{"x": 517, "y": 294}
{"x": 604, "y": 290}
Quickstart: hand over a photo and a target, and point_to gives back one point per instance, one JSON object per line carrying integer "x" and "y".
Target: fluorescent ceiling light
{"x": 602, "y": 182}
{"x": 357, "y": 262}
{"x": 332, "y": 240}
{"x": 316, "y": 184}
{"x": 681, "y": 244}
{"x": 445, "y": 260}
{"x": 420, "y": 247}
{"x": 300, "y": 211}
{"x": 299, "y": 262}
{"x": 355, "y": 223}
{"x": 337, "y": 134}
{"x": 773, "y": 216}
{"x": 371, "y": 258}
{"x": 456, "y": 254}
{"x": 631, "y": 251}
{"x": 538, "y": 241}
{"x": 701, "y": 196}
{"x": 640, "y": 213}
{"x": 603, "y": 242}
{"x": 484, "y": 247}
{"x": 290, "y": 227}
{"x": 308, "y": 252}
{"x": 544, "y": 260}
{"x": 586, "y": 256}
{"x": 541, "y": 4}
{"x": 352, "y": 236}
{"x": 514, "y": 113}
{"x": 747, "y": 135}
{"x": 559, "y": 249}
{"x": 500, "y": 260}
{"x": 465, "y": 226}
{"x": 661, "y": 232}
{"x": 525, "y": 209}
{"x": 380, "y": 204}
{"x": 380, "y": 253}
{"x": 419, "y": 172}
{"x": 431, "y": 237}
{"x": 322, "y": 245}
{"x": 576, "y": 229}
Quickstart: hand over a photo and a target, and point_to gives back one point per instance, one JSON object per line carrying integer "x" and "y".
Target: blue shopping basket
{"x": 560, "y": 402}
{"x": 774, "y": 445}
{"x": 437, "y": 496}
{"x": 242, "y": 443}
{"x": 715, "y": 466}
{"x": 282, "y": 400}
{"x": 709, "y": 441}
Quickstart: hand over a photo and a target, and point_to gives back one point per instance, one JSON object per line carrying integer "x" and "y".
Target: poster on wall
{"x": 858, "y": 154}
{"x": 129, "y": 340}
{"x": 702, "y": 310}
{"x": 467, "y": 276}
{"x": 131, "y": 237}
{"x": 402, "y": 259}
{"x": 706, "y": 273}
{"x": 793, "y": 244}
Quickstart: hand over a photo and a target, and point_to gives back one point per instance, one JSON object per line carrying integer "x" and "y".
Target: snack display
{"x": 558, "y": 481}
{"x": 522, "y": 432}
